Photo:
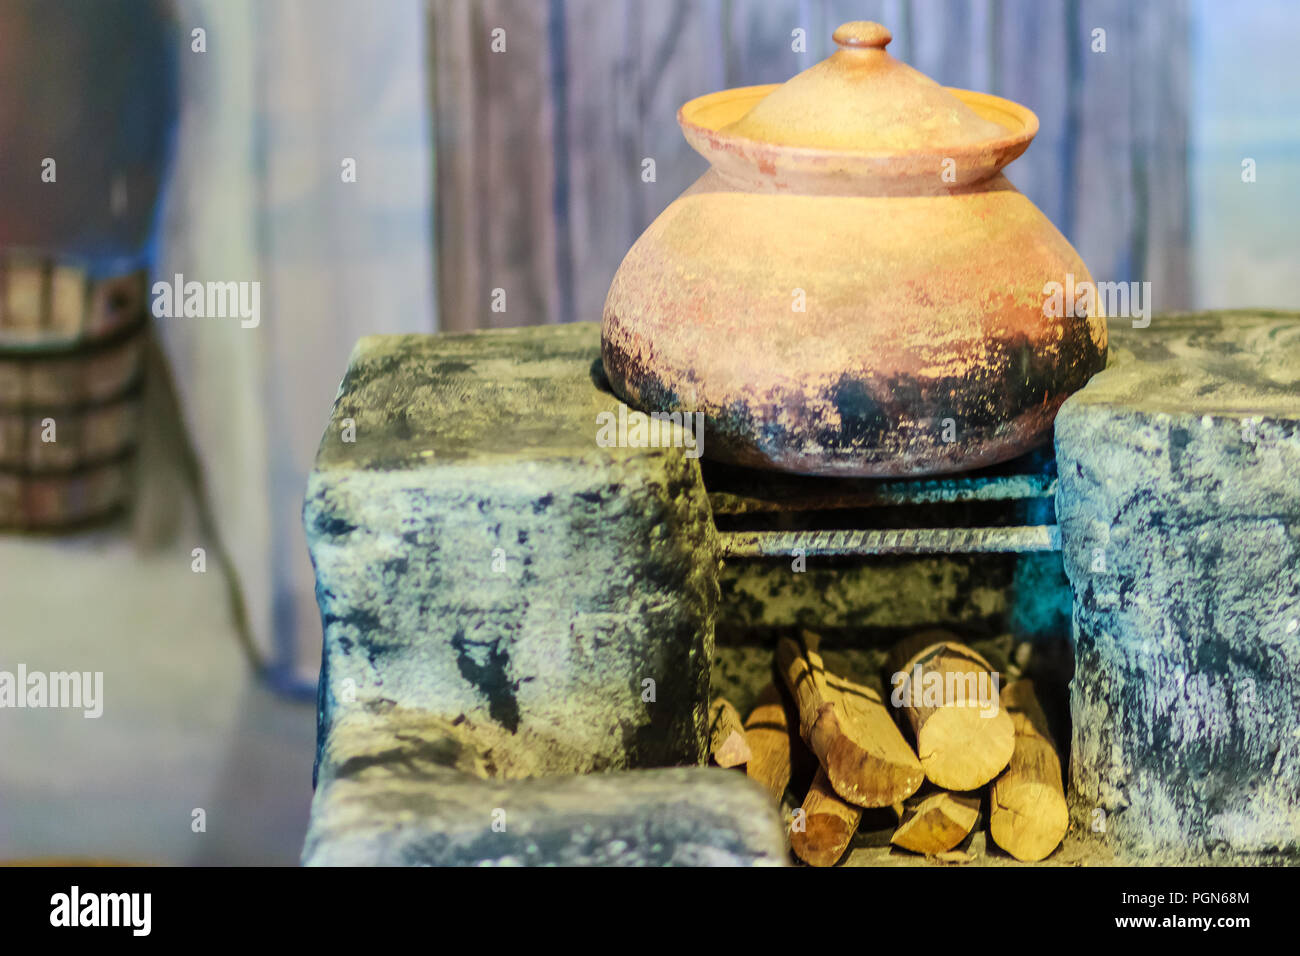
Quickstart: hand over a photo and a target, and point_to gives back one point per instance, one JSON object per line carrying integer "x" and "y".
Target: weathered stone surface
{"x": 1179, "y": 502}
{"x": 402, "y": 789}
{"x": 479, "y": 556}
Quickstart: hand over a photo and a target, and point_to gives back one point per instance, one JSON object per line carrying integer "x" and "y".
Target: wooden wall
{"x": 539, "y": 149}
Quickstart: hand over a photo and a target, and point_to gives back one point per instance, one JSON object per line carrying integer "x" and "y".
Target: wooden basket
{"x": 71, "y": 375}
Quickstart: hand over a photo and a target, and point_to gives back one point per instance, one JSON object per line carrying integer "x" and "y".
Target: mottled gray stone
{"x": 1179, "y": 502}
{"x": 883, "y": 599}
{"x": 405, "y": 789}
{"x": 478, "y": 450}
{"x": 887, "y": 596}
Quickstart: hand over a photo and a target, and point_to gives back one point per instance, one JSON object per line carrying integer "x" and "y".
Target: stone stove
{"x": 523, "y": 629}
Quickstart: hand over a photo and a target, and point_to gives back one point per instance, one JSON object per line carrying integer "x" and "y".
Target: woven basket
{"x": 71, "y": 368}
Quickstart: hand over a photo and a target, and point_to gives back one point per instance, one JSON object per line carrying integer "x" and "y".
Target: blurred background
{"x": 383, "y": 166}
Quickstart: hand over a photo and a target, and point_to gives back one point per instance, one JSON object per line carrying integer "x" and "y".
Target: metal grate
{"x": 743, "y": 500}
{"x": 865, "y": 542}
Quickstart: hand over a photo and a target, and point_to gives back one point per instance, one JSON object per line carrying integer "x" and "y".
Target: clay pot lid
{"x": 862, "y": 99}
{"x": 859, "y": 121}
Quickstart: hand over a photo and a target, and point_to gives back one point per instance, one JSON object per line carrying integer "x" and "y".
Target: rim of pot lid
{"x": 859, "y": 121}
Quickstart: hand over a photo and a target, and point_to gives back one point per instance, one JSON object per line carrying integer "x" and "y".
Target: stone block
{"x": 1179, "y": 504}
{"x": 480, "y": 557}
{"x": 405, "y": 789}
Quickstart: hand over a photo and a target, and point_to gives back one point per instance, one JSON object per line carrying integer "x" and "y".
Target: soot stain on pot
{"x": 633, "y": 382}
{"x": 1015, "y": 381}
{"x": 617, "y": 366}
{"x": 864, "y": 421}
{"x": 742, "y": 436}
{"x": 655, "y": 395}
{"x": 1048, "y": 376}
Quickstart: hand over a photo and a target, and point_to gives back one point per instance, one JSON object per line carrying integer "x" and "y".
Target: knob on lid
{"x": 861, "y": 99}
{"x": 862, "y": 33}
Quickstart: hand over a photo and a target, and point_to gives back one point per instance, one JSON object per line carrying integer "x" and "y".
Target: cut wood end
{"x": 1029, "y": 821}
{"x": 733, "y": 751}
{"x": 962, "y": 750}
{"x": 867, "y": 766}
{"x": 870, "y": 784}
{"x": 828, "y": 825}
{"x": 727, "y": 735}
{"x": 823, "y": 841}
{"x": 938, "y": 823}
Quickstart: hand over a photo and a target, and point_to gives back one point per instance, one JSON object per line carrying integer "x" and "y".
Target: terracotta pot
{"x": 853, "y": 288}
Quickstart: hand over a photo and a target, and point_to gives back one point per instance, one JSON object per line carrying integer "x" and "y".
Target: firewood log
{"x": 938, "y": 822}
{"x": 964, "y": 738}
{"x": 1028, "y": 815}
{"x": 866, "y": 758}
{"x": 767, "y": 731}
{"x": 727, "y": 741}
{"x": 896, "y": 660}
{"x": 828, "y": 826}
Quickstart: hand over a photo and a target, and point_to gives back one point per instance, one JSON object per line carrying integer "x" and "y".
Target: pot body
{"x": 852, "y": 335}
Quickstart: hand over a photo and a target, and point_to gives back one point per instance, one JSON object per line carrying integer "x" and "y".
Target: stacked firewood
{"x": 965, "y": 732}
